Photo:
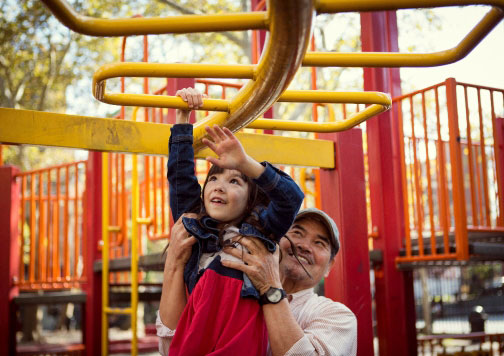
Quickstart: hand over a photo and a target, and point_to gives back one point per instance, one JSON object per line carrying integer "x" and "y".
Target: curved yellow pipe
{"x": 387, "y": 59}
{"x": 308, "y": 126}
{"x": 290, "y": 31}
{"x": 154, "y": 25}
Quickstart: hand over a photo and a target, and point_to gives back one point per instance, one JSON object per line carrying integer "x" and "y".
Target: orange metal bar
{"x": 484, "y": 161}
{"x": 439, "y": 257}
{"x": 41, "y": 230}
{"x": 21, "y": 229}
{"x": 459, "y": 209}
{"x": 471, "y": 160}
{"x": 49, "y": 227}
{"x": 429, "y": 179}
{"x": 404, "y": 184}
{"x": 443, "y": 191}
{"x": 417, "y": 177}
{"x": 32, "y": 228}
{"x": 76, "y": 222}
{"x": 66, "y": 252}
{"x": 56, "y": 260}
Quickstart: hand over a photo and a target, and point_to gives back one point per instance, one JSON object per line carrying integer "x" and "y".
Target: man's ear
{"x": 329, "y": 267}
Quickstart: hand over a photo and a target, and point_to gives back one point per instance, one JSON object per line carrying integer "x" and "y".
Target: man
{"x": 298, "y": 321}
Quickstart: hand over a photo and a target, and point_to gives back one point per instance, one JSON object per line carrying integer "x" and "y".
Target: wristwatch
{"x": 272, "y": 296}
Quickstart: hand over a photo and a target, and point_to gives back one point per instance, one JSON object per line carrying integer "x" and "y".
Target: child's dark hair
{"x": 256, "y": 198}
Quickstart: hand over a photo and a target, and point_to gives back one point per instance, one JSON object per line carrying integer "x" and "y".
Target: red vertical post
{"x": 395, "y": 308}
{"x": 9, "y": 257}
{"x": 499, "y": 160}
{"x": 174, "y": 84}
{"x": 92, "y": 287}
{"x": 344, "y": 198}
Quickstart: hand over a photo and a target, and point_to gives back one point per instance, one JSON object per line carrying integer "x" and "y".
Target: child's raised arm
{"x": 231, "y": 153}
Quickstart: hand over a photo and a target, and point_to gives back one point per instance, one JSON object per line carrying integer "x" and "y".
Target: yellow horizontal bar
{"x": 162, "y": 101}
{"x": 336, "y": 6}
{"x": 91, "y": 133}
{"x": 156, "y": 70}
{"x": 156, "y": 25}
{"x": 307, "y": 126}
{"x": 387, "y": 59}
{"x": 114, "y": 229}
{"x": 144, "y": 220}
{"x": 117, "y": 310}
{"x": 326, "y": 97}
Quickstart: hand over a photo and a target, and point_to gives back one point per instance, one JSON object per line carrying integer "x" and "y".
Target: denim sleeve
{"x": 285, "y": 200}
{"x": 185, "y": 191}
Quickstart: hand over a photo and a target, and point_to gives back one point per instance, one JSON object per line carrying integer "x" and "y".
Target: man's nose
{"x": 303, "y": 246}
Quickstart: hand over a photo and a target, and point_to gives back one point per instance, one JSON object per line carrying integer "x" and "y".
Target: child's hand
{"x": 231, "y": 153}
{"x": 194, "y": 100}
{"x": 226, "y": 146}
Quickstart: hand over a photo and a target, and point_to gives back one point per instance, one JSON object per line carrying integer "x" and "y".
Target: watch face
{"x": 274, "y": 295}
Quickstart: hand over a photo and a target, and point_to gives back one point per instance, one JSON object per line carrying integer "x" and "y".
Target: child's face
{"x": 225, "y": 195}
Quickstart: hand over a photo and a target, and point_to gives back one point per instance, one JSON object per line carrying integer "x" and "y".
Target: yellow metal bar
{"x": 325, "y": 97}
{"x": 91, "y": 133}
{"x": 134, "y": 254}
{"x": 118, "y": 310}
{"x": 156, "y": 70}
{"x": 381, "y": 59}
{"x": 105, "y": 254}
{"x": 335, "y": 6}
{"x": 156, "y": 25}
{"x": 114, "y": 228}
{"x": 144, "y": 221}
{"x": 308, "y": 126}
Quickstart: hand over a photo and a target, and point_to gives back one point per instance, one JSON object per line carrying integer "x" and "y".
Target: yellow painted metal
{"x": 134, "y": 254}
{"x": 105, "y": 254}
{"x": 156, "y": 25}
{"x": 118, "y": 310}
{"x": 308, "y": 126}
{"x": 387, "y": 59}
{"x": 110, "y": 135}
{"x": 157, "y": 70}
{"x": 325, "y": 97}
{"x": 336, "y": 6}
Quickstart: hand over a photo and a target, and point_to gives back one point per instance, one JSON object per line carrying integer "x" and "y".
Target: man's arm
{"x": 263, "y": 270}
{"x": 173, "y": 294}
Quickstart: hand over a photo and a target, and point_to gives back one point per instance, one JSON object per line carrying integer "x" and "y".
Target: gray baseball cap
{"x": 328, "y": 222}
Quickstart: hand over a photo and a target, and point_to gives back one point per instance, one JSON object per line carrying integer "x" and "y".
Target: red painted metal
{"x": 91, "y": 239}
{"x": 344, "y": 199}
{"x": 9, "y": 256}
{"x": 394, "y": 290}
{"x": 499, "y": 159}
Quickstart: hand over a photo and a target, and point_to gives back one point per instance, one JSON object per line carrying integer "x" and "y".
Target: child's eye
{"x": 212, "y": 178}
{"x": 234, "y": 181}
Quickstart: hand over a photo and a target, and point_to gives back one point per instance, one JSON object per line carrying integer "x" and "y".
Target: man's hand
{"x": 179, "y": 249}
{"x": 261, "y": 266}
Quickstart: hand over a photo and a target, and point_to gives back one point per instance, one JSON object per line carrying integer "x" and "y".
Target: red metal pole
{"x": 344, "y": 198}
{"x": 394, "y": 300}
{"x": 9, "y": 257}
{"x": 92, "y": 287}
{"x": 499, "y": 160}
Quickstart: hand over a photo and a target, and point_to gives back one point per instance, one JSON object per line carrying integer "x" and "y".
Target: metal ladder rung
{"x": 118, "y": 310}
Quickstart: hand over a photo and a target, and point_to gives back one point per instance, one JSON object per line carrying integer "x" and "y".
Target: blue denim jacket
{"x": 185, "y": 196}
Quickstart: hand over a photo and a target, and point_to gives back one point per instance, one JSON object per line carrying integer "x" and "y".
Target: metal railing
{"x": 52, "y": 227}
{"x": 451, "y": 170}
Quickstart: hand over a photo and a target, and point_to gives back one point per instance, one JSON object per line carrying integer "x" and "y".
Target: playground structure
{"x": 447, "y": 207}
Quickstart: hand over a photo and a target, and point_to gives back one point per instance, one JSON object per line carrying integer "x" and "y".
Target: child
{"x": 240, "y": 197}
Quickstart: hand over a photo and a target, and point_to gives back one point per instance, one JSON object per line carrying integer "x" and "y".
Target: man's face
{"x": 314, "y": 251}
